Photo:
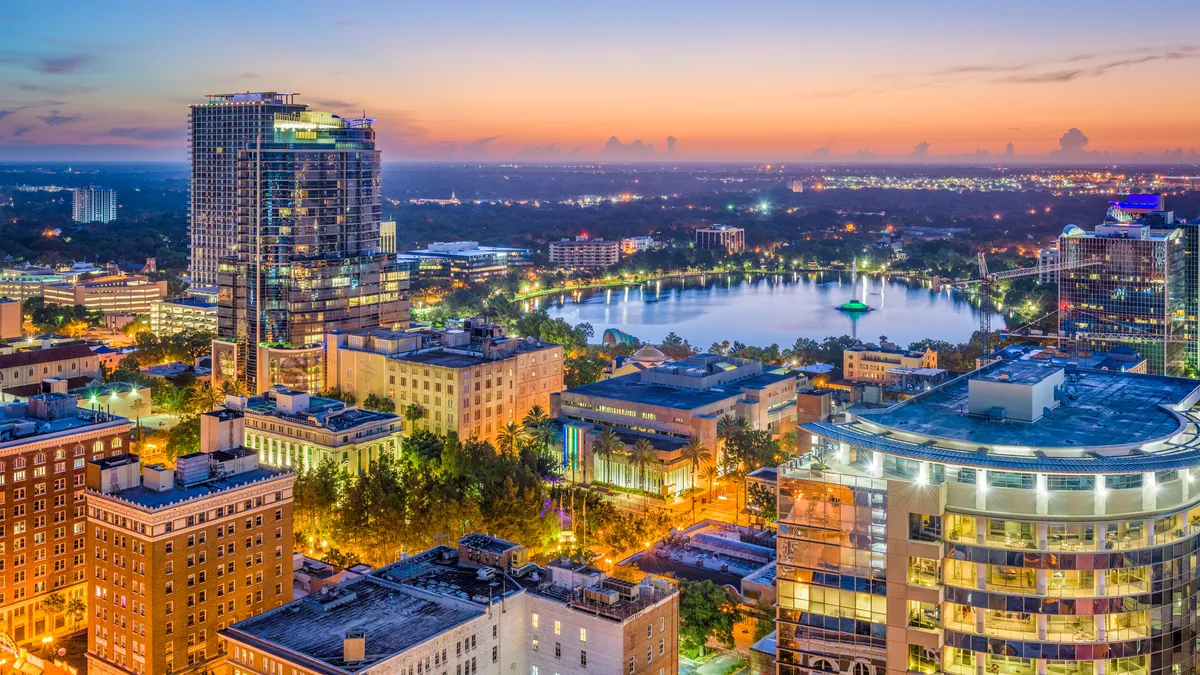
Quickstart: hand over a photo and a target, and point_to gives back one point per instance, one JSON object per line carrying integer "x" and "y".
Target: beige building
{"x": 23, "y": 373}
{"x": 173, "y": 316}
{"x": 113, "y": 294}
{"x": 179, "y": 555}
{"x": 387, "y": 236}
{"x": 480, "y": 609}
{"x": 871, "y": 362}
{"x": 296, "y": 430}
{"x": 472, "y": 381}
{"x": 723, "y": 237}
{"x": 11, "y": 318}
{"x": 584, "y": 254}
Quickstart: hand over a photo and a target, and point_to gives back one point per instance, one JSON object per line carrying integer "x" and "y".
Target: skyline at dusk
{"x": 543, "y": 82}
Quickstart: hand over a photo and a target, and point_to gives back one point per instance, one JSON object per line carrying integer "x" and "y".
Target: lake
{"x": 767, "y": 308}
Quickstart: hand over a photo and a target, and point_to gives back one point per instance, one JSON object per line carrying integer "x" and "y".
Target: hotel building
{"x": 667, "y": 405}
{"x": 296, "y": 430}
{"x": 584, "y": 254}
{"x": 473, "y": 380}
{"x": 179, "y": 555}
{"x": 1024, "y": 519}
{"x": 480, "y": 608}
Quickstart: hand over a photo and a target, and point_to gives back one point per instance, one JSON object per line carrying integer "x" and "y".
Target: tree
{"x": 129, "y": 364}
{"x": 709, "y": 473}
{"x": 606, "y": 446}
{"x": 76, "y": 608}
{"x": 535, "y": 416}
{"x": 763, "y": 500}
{"x": 54, "y": 604}
{"x": 696, "y": 454}
{"x": 706, "y": 611}
{"x": 339, "y": 395}
{"x": 413, "y": 414}
{"x": 641, "y": 456}
{"x": 510, "y": 438}
{"x": 379, "y": 403}
{"x": 764, "y": 619}
{"x": 184, "y": 438}
{"x": 203, "y": 397}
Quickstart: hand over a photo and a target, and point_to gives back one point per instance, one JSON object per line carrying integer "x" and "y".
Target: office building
{"x": 667, "y": 405}
{"x": 479, "y": 609}
{"x": 305, "y": 257}
{"x": 473, "y": 380}
{"x": 44, "y": 444}
{"x": 1028, "y": 518}
{"x": 169, "y": 317}
{"x": 721, "y": 237}
{"x": 387, "y": 236}
{"x": 179, "y": 555}
{"x": 93, "y": 204}
{"x": 1132, "y": 288}
{"x": 466, "y": 261}
{"x": 296, "y": 430}
{"x": 110, "y": 294}
{"x": 582, "y": 253}
{"x": 870, "y": 362}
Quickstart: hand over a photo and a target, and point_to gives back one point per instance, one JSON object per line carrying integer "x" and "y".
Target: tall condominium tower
{"x": 1025, "y": 519}
{"x": 305, "y": 254}
{"x": 94, "y": 205}
{"x": 1136, "y": 291}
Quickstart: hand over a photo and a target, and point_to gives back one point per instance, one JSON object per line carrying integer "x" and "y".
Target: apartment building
{"x": 1029, "y": 518}
{"x": 473, "y": 380}
{"x": 44, "y": 444}
{"x": 294, "y": 429}
{"x": 112, "y": 294}
{"x": 667, "y": 404}
{"x": 582, "y": 253}
{"x": 870, "y": 362}
{"x": 480, "y": 608}
{"x": 179, "y": 555}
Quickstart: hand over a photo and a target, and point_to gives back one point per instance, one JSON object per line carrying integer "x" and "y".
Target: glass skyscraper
{"x": 304, "y": 258}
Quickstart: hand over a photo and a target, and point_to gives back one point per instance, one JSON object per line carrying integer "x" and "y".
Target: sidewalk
{"x": 714, "y": 666}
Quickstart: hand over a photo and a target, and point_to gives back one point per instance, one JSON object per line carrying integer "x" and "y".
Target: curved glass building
{"x": 1024, "y": 519}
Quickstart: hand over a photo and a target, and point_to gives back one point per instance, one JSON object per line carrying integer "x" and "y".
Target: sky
{"x": 519, "y": 80}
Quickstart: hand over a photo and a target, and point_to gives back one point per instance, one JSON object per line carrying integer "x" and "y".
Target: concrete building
{"x": 666, "y": 405}
{"x": 871, "y": 362}
{"x": 44, "y": 444}
{"x": 634, "y": 244}
{"x": 112, "y": 294}
{"x": 22, "y": 284}
{"x": 478, "y": 609}
{"x": 582, "y": 253}
{"x": 122, "y": 399}
{"x": 473, "y": 380}
{"x": 11, "y": 319}
{"x": 1027, "y": 518}
{"x": 93, "y": 204}
{"x": 721, "y": 237}
{"x": 169, "y": 317}
{"x": 466, "y": 261}
{"x": 296, "y": 430}
{"x": 23, "y": 373}
{"x": 180, "y": 555}
{"x": 1137, "y": 291}
{"x": 387, "y": 236}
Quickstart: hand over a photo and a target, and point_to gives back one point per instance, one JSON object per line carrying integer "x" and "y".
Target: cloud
{"x": 615, "y": 149}
{"x": 147, "y": 133}
{"x": 6, "y": 113}
{"x": 921, "y": 150}
{"x": 248, "y": 76}
{"x": 54, "y": 119}
{"x": 333, "y": 103}
{"x": 1009, "y": 150}
{"x": 1072, "y": 144}
{"x": 21, "y": 131}
{"x": 671, "y": 141}
{"x": 1101, "y": 68}
{"x": 59, "y": 65}
{"x": 821, "y": 152}
{"x": 551, "y": 151}
{"x": 478, "y": 148}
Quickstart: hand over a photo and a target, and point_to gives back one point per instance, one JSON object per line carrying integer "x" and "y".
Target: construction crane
{"x": 986, "y": 279}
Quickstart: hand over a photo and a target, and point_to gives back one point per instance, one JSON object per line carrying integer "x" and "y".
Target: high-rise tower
{"x": 304, "y": 258}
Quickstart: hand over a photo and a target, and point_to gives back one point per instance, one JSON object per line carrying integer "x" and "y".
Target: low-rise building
{"x": 180, "y": 555}
{"x": 21, "y": 284}
{"x": 123, "y": 399}
{"x": 466, "y": 261}
{"x": 297, "y": 430}
{"x": 479, "y": 609}
{"x": 667, "y": 405}
{"x": 23, "y": 373}
{"x": 582, "y": 253}
{"x": 473, "y": 380}
{"x": 11, "y": 318}
{"x": 871, "y": 362}
{"x": 173, "y": 316}
{"x": 634, "y": 244}
{"x": 721, "y": 237}
{"x": 112, "y": 294}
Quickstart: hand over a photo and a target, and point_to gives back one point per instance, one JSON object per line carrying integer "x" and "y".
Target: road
{"x": 714, "y": 666}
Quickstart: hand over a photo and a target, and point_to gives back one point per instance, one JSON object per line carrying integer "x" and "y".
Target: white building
{"x": 94, "y": 205}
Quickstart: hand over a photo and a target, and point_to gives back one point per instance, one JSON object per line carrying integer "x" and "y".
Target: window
{"x": 1123, "y": 482}
{"x": 557, "y": 627}
{"x": 583, "y": 635}
{"x": 583, "y": 658}
{"x": 533, "y": 620}
{"x": 1009, "y": 479}
{"x": 1066, "y": 483}
{"x": 534, "y": 644}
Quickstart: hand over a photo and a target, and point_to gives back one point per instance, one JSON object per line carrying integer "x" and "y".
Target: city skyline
{"x": 774, "y": 82}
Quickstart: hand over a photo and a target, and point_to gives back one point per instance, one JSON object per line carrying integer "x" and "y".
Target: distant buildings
{"x": 300, "y": 255}
{"x": 173, "y": 316}
{"x": 1139, "y": 291}
{"x": 466, "y": 261}
{"x": 667, "y": 405}
{"x": 178, "y": 555}
{"x": 582, "y": 253}
{"x": 111, "y": 294}
{"x": 482, "y": 608}
{"x": 871, "y": 362}
{"x": 634, "y": 244}
{"x": 296, "y": 430}
{"x": 721, "y": 237}
{"x": 796, "y": 185}
{"x": 472, "y": 381}
{"x": 93, "y": 205}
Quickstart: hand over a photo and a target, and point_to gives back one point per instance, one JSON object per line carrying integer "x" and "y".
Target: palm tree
{"x": 607, "y": 445}
{"x": 510, "y": 438}
{"x": 234, "y": 387}
{"x": 412, "y": 414}
{"x": 534, "y": 417}
{"x": 709, "y": 473}
{"x": 203, "y": 397}
{"x": 695, "y": 453}
{"x": 642, "y": 455}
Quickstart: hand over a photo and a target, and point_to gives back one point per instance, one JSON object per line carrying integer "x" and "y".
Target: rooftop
{"x": 151, "y": 500}
{"x": 393, "y": 618}
{"x": 631, "y": 388}
{"x": 325, "y": 413}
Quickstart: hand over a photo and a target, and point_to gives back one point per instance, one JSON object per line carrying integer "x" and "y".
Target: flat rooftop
{"x": 394, "y": 620}
{"x": 151, "y": 500}
{"x": 1019, "y": 372}
{"x": 631, "y": 388}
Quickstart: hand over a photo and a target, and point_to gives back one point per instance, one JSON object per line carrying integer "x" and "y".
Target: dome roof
{"x": 648, "y": 354}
